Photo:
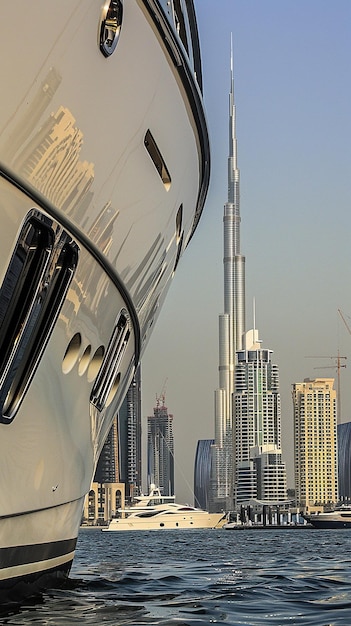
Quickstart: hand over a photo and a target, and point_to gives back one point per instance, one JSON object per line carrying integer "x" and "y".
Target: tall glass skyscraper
{"x": 129, "y": 421}
{"x": 246, "y": 455}
{"x": 231, "y": 326}
{"x": 160, "y": 449}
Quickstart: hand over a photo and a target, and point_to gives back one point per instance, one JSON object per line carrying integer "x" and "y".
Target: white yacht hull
{"x": 340, "y": 518}
{"x": 103, "y": 175}
{"x": 40, "y": 549}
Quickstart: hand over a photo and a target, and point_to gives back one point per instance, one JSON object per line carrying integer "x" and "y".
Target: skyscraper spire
{"x": 232, "y": 120}
{"x": 234, "y": 262}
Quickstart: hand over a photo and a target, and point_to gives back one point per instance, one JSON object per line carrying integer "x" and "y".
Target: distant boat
{"x": 340, "y": 517}
{"x": 157, "y": 512}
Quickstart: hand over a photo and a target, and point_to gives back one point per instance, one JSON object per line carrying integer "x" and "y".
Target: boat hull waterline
{"x": 104, "y": 170}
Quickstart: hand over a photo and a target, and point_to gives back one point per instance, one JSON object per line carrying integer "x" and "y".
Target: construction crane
{"x": 345, "y": 322}
{"x": 160, "y": 399}
{"x": 338, "y": 366}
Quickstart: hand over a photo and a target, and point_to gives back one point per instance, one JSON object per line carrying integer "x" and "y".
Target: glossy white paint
{"x": 92, "y": 113}
{"x": 72, "y": 130}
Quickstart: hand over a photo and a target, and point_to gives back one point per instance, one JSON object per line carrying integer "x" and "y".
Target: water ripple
{"x": 197, "y": 578}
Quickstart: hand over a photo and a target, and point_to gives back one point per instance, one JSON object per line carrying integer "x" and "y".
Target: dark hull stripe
{"x": 21, "y": 555}
{"x": 15, "y": 590}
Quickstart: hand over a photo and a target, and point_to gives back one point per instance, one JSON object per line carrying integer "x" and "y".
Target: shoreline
{"x": 270, "y": 527}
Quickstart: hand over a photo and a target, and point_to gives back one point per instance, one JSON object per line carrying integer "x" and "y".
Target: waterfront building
{"x": 344, "y": 460}
{"x": 315, "y": 436}
{"x": 202, "y": 473}
{"x": 160, "y": 449}
{"x": 270, "y": 474}
{"x": 102, "y": 503}
{"x": 259, "y": 470}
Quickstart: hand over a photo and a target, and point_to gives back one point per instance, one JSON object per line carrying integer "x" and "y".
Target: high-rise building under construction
{"x": 160, "y": 449}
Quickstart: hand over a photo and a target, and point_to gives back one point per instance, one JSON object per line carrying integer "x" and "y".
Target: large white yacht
{"x": 104, "y": 170}
{"x": 340, "y": 517}
{"x": 158, "y": 512}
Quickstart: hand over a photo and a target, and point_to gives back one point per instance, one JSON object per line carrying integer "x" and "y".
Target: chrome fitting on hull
{"x": 110, "y": 26}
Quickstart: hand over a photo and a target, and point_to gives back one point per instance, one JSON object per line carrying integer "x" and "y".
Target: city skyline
{"x": 292, "y": 95}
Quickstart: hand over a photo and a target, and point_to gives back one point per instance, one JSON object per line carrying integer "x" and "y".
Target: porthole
{"x": 71, "y": 354}
{"x": 84, "y": 361}
{"x": 95, "y": 363}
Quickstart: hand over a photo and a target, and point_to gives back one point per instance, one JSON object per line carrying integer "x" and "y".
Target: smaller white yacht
{"x": 157, "y": 512}
{"x": 340, "y": 517}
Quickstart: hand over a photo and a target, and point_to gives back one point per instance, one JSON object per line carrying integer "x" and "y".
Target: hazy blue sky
{"x": 293, "y": 95}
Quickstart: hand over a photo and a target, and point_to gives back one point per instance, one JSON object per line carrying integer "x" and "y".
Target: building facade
{"x": 102, "y": 503}
{"x": 344, "y": 460}
{"x": 160, "y": 449}
{"x": 129, "y": 420}
{"x": 259, "y": 470}
{"x": 202, "y": 473}
{"x": 107, "y": 470}
{"x": 315, "y": 435}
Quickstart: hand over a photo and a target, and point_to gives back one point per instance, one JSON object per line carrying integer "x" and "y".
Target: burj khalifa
{"x": 231, "y": 325}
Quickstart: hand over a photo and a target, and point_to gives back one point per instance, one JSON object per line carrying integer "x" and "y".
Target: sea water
{"x": 201, "y": 577}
